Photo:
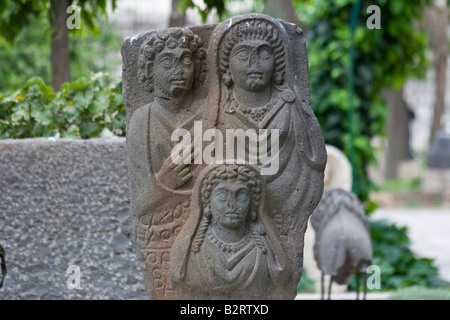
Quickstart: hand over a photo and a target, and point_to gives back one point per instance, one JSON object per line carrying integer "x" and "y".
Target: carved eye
{"x": 242, "y": 196}
{"x": 187, "y": 59}
{"x": 166, "y": 62}
{"x": 222, "y": 196}
{"x": 243, "y": 54}
{"x": 265, "y": 53}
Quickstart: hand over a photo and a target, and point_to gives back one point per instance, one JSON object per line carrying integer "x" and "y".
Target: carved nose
{"x": 231, "y": 202}
{"x": 178, "y": 69}
{"x": 253, "y": 60}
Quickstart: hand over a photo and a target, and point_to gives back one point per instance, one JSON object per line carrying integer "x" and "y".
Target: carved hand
{"x": 174, "y": 175}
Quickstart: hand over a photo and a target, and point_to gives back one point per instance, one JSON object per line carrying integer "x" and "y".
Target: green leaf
{"x": 72, "y": 132}
{"x": 21, "y": 114}
{"x": 77, "y": 85}
{"x": 99, "y": 105}
{"x": 90, "y": 129}
{"x": 396, "y": 7}
{"x": 42, "y": 116}
{"x": 397, "y": 81}
{"x": 83, "y": 100}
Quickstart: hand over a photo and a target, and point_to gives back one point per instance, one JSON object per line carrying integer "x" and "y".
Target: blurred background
{"x": 378, "y": 72}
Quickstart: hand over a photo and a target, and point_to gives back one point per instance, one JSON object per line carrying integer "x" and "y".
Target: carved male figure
{"x": 233, "y": 252}
{"x": 170, "y": 65}
{"x": 167, "y": 64}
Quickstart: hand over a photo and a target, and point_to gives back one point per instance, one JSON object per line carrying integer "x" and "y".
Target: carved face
{"x": 174, "y": 72}
{"x": 230, "y": 203}
{"x": 252, "y": 65}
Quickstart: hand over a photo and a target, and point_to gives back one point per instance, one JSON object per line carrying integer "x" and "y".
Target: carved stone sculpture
{"x": 229, "y": 238}
{"x": 338, "y": 174}
{"x": 229, "y": 101}
{"x": 343, "y": 244}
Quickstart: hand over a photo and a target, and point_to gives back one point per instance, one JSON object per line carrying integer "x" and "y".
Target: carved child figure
{"x": 233, "y": 252}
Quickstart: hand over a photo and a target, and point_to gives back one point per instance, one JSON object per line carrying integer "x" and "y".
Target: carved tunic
{"x": 245, "y": 269}
{"x": 160, "y": 212}
{"x": 297, "y": 152}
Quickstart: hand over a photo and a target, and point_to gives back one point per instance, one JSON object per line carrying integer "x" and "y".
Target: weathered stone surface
{"x": 338, "y": 174}
{"x": 234, "y": 256}
{"x": 439, "y": 155}
{"x": 65, "y": 202}
{"x": 189, "y": 94}
{"x": 343, "y": 245}
{"x": 338, "y": 171}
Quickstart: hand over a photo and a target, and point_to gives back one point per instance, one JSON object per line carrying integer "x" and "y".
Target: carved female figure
{"x": 227, "y": 248}
{"x": 262, "y": 76}
{"x": 254, "y": 62}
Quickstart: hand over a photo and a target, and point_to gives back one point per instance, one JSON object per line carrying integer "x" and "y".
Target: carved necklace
{"x": 225, "y": 246}
{"x": 257, "y": 113}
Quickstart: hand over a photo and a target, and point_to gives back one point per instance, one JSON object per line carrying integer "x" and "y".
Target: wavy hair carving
{"x": 172, "y": 38}
{"x": 238, "y": 173}
{"x": 244, "y": 31}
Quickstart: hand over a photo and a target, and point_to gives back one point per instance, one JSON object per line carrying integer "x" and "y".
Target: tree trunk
{"x": 397, "y": 131}
{"x": 176, "y": 19}
{"x": 436, "y": 20}
{"x": 60, "y": 61}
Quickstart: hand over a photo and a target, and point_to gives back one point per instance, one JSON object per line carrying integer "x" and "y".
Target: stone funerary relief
{"x": 226, "y": 158}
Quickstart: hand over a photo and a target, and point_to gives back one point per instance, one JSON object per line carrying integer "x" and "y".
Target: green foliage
{"x": 29, "y": 54}
{"x": 92, "y": 12}
{"x": 306, "y": 284}
{"x": 15, "y": 15}
{"x": 382, "y": 58}
{"x": 221, "y": 7}
{"x": 402, "y": 185}
{"x": 82, "y": 109}
{"x": 205, "y": 9}
{"x": 90, "y": 53}
{"x": 400, "y": 267}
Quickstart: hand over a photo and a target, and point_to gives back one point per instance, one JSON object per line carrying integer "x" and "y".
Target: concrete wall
{"x": 65, "y": 202}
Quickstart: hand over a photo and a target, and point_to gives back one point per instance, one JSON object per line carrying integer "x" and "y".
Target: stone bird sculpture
{"x": 343, "y": 244}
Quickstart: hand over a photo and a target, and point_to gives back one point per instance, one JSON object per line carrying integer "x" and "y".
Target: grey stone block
{"x": 65, "y": 202}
